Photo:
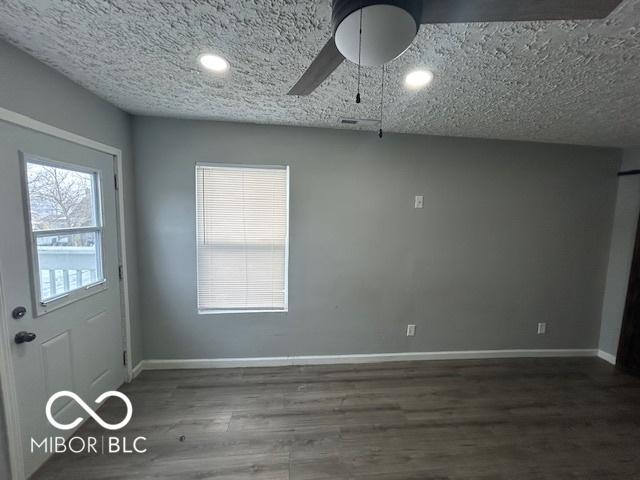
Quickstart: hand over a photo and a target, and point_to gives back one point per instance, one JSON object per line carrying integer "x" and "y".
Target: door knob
{"x": 22, "y": 337}
{"x": 18, "y": 312}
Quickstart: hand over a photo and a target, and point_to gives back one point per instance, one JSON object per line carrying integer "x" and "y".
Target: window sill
{"x": 70, "y": 297}
{"x": 219, "y": 312}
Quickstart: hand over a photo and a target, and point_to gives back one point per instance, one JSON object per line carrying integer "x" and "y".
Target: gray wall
{"x": 621, "y": 253}
{"x": 33, "y": 89}
{"x": 511, "y": 234}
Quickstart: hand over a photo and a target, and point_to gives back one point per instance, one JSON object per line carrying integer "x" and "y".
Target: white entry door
{"x": 59, "y": 267}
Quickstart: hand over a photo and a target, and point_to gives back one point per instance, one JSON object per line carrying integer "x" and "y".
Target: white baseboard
{"x": 607, "y": 357}
{"x": 137, "y": 370}
{"x": 357, "y": 358}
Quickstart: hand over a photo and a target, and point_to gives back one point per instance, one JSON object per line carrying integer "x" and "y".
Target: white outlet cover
{"x": 542, "y": 328}
{"x": 411, "y": 330}
{"x": 419, "y": 202}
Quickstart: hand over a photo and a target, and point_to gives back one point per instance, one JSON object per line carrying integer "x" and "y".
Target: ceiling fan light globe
{"x": 387, "y": 31}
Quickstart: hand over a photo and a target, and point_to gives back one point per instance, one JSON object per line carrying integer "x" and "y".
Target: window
{"x": 242, "y": 237}
{"x": 66, "y": 229}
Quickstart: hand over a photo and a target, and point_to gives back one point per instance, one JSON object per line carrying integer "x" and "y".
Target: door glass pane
{"x": 68, "y": 262}
{"x": 61, "y": 198}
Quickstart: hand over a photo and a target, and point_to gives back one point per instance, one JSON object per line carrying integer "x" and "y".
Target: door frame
{"x": 7, "y": 380}
{"x": 625, "y": 353}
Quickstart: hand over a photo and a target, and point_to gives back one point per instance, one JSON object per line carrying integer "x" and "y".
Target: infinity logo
{"x": 89, "y": 410}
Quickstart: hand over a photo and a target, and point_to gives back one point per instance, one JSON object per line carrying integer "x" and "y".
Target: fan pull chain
{"x": 381, "y": 102}
{"x": 359, "y": 52}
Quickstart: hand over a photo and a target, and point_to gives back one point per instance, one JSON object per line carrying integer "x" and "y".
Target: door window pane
{"x": 60, "y": 198}
{"x": 68, "y": 262}
{"x": 66, "y": 229}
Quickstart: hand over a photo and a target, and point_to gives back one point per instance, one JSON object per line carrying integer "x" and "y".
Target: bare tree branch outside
{"x": 60, "y": 198}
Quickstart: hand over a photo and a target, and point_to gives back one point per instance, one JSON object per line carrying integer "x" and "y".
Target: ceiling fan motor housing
{"x": 388, "y": 28}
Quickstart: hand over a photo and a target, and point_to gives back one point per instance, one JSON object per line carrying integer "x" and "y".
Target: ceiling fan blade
{"x": 326, "y": 62}
{"x": 468, "y": 11}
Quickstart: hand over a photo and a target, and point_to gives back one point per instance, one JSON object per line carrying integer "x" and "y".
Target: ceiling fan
{"x": 374, "y": 32}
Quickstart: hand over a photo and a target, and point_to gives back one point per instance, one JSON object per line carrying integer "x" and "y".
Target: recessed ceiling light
{"x": 215, "y": 63}
{"x": 418, "y": 79}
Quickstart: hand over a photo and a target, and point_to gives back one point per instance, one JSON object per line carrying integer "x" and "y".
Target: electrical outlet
{"x": 542, "y": 328}
{"x": 411, "y": 330}
{"x": 419, "y": 202}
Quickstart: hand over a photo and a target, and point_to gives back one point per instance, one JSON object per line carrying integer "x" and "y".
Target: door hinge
{"x": 120, "y": 272}
{"x": 124, "y": 358}
{"x": 115, "y": 181}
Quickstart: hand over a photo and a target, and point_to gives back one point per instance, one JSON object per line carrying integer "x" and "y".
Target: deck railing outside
{"x": 65, "y": 268}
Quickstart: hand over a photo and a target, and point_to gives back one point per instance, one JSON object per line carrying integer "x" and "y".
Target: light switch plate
{"x": 419, "y": 201}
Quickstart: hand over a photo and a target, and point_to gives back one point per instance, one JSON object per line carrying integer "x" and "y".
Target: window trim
{"x": 220, "y": 311}
{"x": 43, "y": 306}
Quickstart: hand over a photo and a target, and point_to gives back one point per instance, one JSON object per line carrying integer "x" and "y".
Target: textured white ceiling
{"x": 570, "y": 82}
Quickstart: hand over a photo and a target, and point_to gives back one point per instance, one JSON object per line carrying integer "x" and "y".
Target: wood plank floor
{"x": 490, "y": 419}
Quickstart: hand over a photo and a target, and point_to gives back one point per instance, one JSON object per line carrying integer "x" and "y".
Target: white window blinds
{"x": 242, "y": 237}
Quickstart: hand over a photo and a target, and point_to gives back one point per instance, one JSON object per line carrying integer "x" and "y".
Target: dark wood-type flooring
{"x": 515, "y": 419}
